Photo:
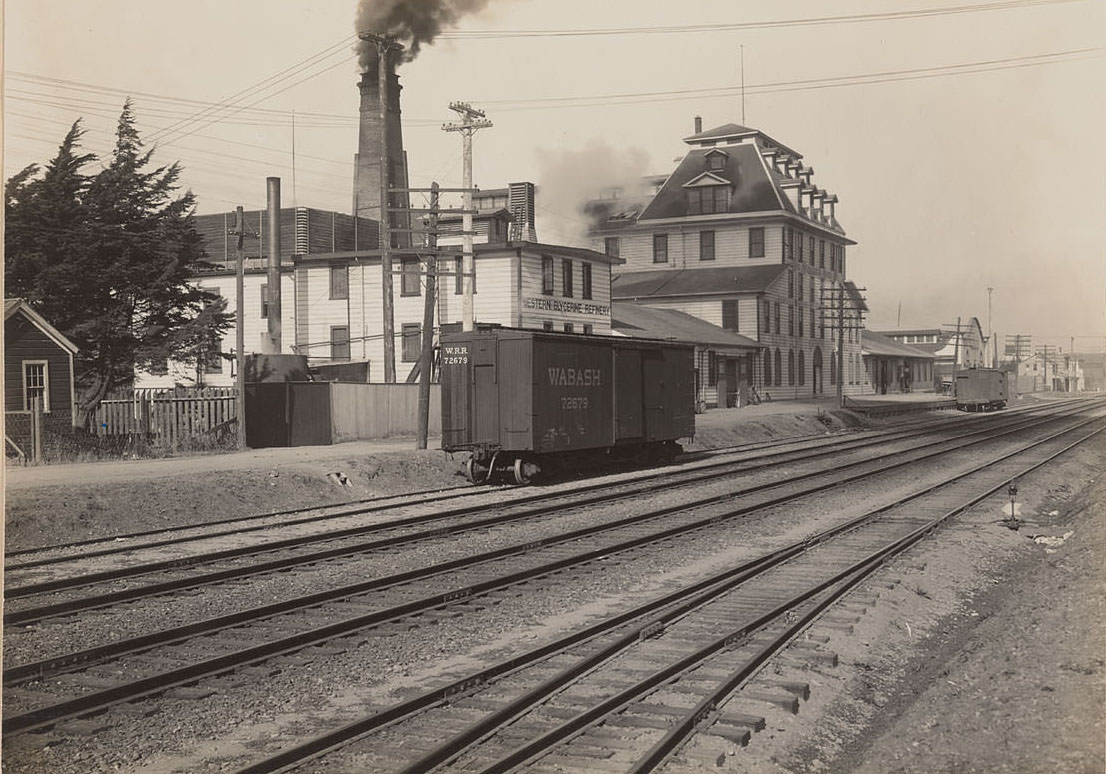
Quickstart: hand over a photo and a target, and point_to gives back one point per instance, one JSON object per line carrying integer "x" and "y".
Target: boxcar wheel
{"x": 476, "y": 472}
{"x": 519, "y": 472}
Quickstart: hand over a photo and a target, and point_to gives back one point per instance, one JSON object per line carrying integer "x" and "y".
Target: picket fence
{"x": 170, "y": 416}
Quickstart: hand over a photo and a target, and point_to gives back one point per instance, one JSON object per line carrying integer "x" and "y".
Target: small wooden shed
{"x": 38, "y": 362}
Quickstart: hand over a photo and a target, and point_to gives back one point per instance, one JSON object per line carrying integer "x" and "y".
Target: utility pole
{"x": 989, "y": 332}
{"x": 240, "y": 233}
{"x": 471, "y": 120}
{"x": 426, "y": 357}
{"x": 833, "y": 302}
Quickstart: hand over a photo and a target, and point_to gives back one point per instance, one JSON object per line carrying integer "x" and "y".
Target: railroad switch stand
{"x": 1012, "y": 521}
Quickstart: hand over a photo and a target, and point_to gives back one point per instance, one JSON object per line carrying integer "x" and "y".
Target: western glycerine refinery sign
{"x": 566, "y": 305}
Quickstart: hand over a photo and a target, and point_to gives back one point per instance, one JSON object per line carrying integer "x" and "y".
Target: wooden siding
{"x": 537, "y": 308}
{"x": 25, "y": 341}
{"x": 731, "y": 246}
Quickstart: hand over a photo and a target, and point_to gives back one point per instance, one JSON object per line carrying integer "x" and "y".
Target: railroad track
{"x": 40, "y": 577}
{"x": 58, "y": 557}
{"x": 633, "y": 690}
{"x": 166, "y": 668}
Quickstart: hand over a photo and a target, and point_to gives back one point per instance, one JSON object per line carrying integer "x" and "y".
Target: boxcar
{"x": 980, "y": 389}
{"x": 526, "y": 401}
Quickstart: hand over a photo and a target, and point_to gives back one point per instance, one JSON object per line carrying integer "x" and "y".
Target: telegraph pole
{"x": 471, "y": 120}
{"x": 240, "y": 233}
{"x": 426, "y": 357}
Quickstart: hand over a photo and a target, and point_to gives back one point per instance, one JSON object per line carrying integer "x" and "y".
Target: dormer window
{"x": 716, "y": 160}
{"x": 705, "y": 200}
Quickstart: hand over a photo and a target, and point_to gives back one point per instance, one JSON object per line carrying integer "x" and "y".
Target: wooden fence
{"x": 171, "y": 416}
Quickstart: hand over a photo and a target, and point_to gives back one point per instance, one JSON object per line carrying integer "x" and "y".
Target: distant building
{"x": 894, "y": 367}
{"x": 741, "y": 237}
{"x": 952, "y": 350}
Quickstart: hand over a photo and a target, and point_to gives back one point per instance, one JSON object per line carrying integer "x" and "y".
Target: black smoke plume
{"x": 414, "y": 23}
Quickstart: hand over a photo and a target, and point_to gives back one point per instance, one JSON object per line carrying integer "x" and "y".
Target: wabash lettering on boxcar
{"x": 575, "y": 377}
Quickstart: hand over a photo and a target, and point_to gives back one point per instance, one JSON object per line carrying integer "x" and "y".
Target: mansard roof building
{"x": 740, "y": 235}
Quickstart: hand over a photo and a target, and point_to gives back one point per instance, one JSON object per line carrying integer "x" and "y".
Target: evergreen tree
{"x": 107, "y": 258}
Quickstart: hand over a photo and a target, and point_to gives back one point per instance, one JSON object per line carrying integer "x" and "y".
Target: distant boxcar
{"x": 980, "y": 389}
{"x": 524, "y": 401}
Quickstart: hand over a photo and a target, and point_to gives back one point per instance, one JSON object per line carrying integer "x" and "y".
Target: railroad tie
{"x": 788, "y": 702}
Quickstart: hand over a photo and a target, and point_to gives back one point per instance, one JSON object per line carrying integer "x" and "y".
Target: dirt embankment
{"x": 78, "y": 502}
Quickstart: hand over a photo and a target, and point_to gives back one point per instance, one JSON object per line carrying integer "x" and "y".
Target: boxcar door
{"x": 654, "y": 386}
{"x": 629, "y": 410}
{"x": 485, "y": 392}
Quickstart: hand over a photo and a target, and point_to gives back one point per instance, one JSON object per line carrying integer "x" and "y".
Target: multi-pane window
{"x": 802, "y": 368}
{"x": 787, "y": 242}
{"x": 776, "y": 309}
{"x": 790, "y": 320}
{"x": 409, "y": 277}
{"x": 611, "y": 246}
{"x": 790, "y": 284}
{"x": 778, "y": 370}
{"x": 660, "y": 248}
{"x": 821, "y": 253}
{"x": 767, "y": 316}
{"x": 716, "y": 161}
{"x": 547, "y": 325}
{"x": 547, "y": 275}
{"x": 36, "y": 384}
{"x": 810, "y": 252}
{"x": 708, "y": 200}
{"x": 566, "y": 277}
{"x": 756, "y": 242}
{"x": 264, "y": 301}
{"x": 587, "y": 329}
{"x": 791, "y": 367}
{"x": 706, "y": 245}
{"x": 767, "y": 368}
{"x": 339, "y": 342}
{"x": 339, "y": 281}
{"x": 569, "y": 328}
{"x": 799, "y": 294}
{"x": 712, "y": 373}
{"x": 729, "y": 314}
{"x": 800, "y": 321}
{"x": 412, "y": 342}
{"x": 585, "y": 280}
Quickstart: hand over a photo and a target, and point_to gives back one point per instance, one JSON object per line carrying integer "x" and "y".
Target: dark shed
{"x": 38, "y": 361}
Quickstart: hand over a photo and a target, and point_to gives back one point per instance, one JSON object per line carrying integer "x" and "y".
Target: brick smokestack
{"x": 367, "y": 174}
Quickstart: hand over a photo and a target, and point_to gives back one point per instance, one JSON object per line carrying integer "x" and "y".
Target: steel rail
{"x": 33, "y": 615}
{"x": 47, "y": 716}
{"x": 885, "y": 435}
{"x": 291, "y": 758}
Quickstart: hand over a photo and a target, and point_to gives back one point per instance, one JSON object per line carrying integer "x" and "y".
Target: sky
{"x": 963, "y": 138}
